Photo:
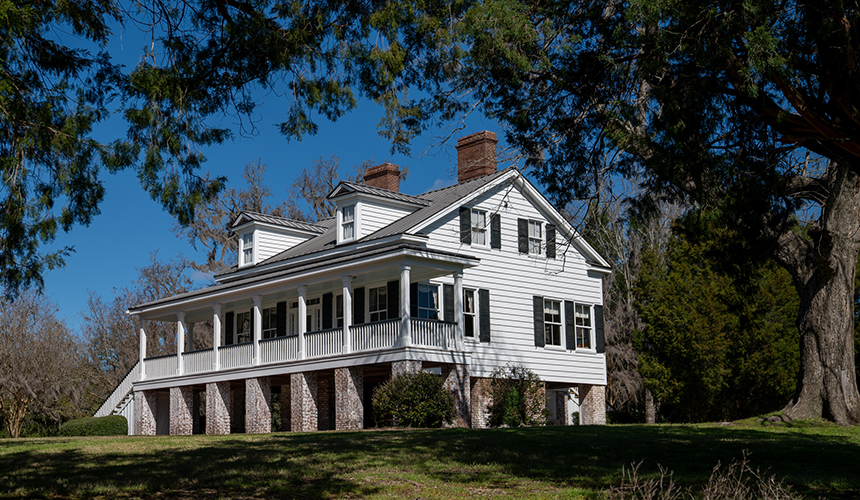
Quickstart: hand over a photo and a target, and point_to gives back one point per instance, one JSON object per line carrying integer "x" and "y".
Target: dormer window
{"x": 348, "y": 223}
{"x": 247, "y": 249}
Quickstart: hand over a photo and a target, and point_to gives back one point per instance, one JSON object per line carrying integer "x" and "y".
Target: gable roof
{"x": 434, "y": 204}
{"x": 274, "y": 220}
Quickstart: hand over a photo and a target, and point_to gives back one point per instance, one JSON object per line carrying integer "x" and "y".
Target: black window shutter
{"x": 550, "y": 241}
{"x": 228, "y": 328}
{"x": 327, "y": 306}
{"x": 393, "y": 293}
{"x": 495, "y": 231}
{"x": 448, "y": 300}
{"x": 540, "y": 334}
{"x": 466, "y": 225}
{"x": 569, "y": 325}
{"x": 523, "y": 235}
{"x": 484, "y": 314}
{"x": 413, "y": 300}
{"x": 598, "y": 329}
{"x": 281, "y": 320}
{"x": 358, "y": 306}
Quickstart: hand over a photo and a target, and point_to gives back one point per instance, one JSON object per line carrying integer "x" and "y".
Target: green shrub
{"x": 112, "y": 425}
{"x": 518, "y": 397}
{"x": 413, "y": 400}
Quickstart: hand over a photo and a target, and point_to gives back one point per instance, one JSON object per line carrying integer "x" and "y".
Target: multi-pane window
{"x": 470, "y": 320}
{"x": 479, "y": 227}
{"x": 247, "y": 248}
{"x": 535, "y": 237}
{"x": 338, "y": 311}
{"x": 378, "y": 304}
{"x": 583, "y": 326}
{"x": 293, "y": 314}
{"x": 348, "y": 222}
{"x": 428, "y": 301}
{"x": 243, "y": 327}
{"x": 270, "y": 323}
{"x": 552, "y": 321}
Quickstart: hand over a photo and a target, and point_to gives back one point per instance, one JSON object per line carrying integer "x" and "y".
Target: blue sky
{"x": 131, "y": 226}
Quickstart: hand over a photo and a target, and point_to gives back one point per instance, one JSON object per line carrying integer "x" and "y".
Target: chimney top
{"x": 385, "y": 176}
{"x": 476, "y": 155}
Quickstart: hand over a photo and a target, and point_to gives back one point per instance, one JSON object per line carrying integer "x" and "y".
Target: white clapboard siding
{"x": 272, "y": 242}
{"x": 513, "y": 279}
{"x": 376, "y": 214}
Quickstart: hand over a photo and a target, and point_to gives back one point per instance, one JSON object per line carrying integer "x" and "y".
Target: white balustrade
{"x": 236, "y": 355}
{"x": 118, "y": 394}
{"x": 162, "y": 366}
{"x": 198, "y": 361}
{"x": 324, "y": 342}
{"x": 370, "y": 336}
{"x": 428, "y": 332}
{"x": 279, "y": 349}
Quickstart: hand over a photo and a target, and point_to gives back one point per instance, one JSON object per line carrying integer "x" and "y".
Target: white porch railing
{"x": 162, "y": 366}
{"x": 197, "y": 361}
{"x": 234, "y": 356}
{"x": 119, "y": 394}
{"x": 365, "y": 337}
{"x": 372, "y": 336}
{"x": 429, "y": 332}
{"x": 279, "y": 349}
{"x": 324, "y": 342}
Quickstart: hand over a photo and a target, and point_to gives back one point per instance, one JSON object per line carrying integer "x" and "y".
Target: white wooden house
{"x": 461, "y": 280}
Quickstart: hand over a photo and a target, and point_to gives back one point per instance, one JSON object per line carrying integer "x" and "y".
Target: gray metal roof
{"x": 437, "y": 201}
{"x": 278, "y": 221}
{"x": 352, "y": 187}
{"x": 321, "y": 262}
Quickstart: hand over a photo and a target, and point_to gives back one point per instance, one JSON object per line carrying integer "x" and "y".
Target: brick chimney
{"x": 385, "y": 176}
{"x": 476, "y": 155}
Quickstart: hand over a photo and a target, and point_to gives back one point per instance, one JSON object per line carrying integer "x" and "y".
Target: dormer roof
{"x": 246, "y": 217}
{"x": 345, "y": 187}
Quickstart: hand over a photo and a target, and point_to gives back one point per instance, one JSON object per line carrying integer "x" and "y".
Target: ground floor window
{"x": 469, "y": 313}
{"x": 583, "y": 326}
{"x": 270, "y": 323}
{"x": 378, "y": 303}
{"x": 428, "y": 301}
{"x": 552, "y": 321}
{"x": 243, "y": 327}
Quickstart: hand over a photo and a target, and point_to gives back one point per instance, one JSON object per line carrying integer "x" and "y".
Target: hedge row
{"x": 111, "y": 425}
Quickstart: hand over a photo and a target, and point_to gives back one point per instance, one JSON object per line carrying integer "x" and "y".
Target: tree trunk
{"x": 650, "y": 408}
{"x": 823, "y": 273}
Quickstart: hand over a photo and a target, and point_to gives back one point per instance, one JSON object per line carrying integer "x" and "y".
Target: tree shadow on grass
{"x": 361, "y": 464}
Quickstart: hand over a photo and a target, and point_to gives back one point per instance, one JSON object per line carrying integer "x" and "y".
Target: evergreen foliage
{"x": 518, "y": 397}
{"x": 413, "y": 400}
{"x": 111, "y": 425}
{"x": 717, "y": 345}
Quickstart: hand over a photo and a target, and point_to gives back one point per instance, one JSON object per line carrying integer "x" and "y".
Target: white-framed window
{"x": 338, "y": 311}
{"x": 243, "y": 327}
{"x": 583, "y": 326}
{"x": 428, "y": 301}
{"x": 293, "y": 318}
{"x": 247, "y": 251}
{"x": 377, "y": 304}
{"x": 535, "y": 237}
{"x": 470, "y": 317}
{"x": 552, "y": 321}
{"x": 313, "y": 320}
{"x": 347, "y": 224}
{"x": 479, "y": 227}
{"x": 270, "y": 323}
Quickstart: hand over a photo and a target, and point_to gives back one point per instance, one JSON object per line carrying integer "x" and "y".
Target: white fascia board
{"x": 306, "y": 278}
{"x": 464, "y": 201}
{"x": 275, "y": 228}
{"x": 560, "y": 222}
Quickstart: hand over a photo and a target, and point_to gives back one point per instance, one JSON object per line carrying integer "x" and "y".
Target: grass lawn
{"x": 817, "y": 460}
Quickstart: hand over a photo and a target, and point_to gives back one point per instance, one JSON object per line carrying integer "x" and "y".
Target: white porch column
{"x": 142, "y": 327}
{"x": 347, "y": 313}
{"x": 216, "y": 336}
{"x": 459, "y": 332}
{"x": 258, "y": 326}
{"x": 180, "y": 342}
{"x": 405, "y": 306}
{"x": 302, "y": 319}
